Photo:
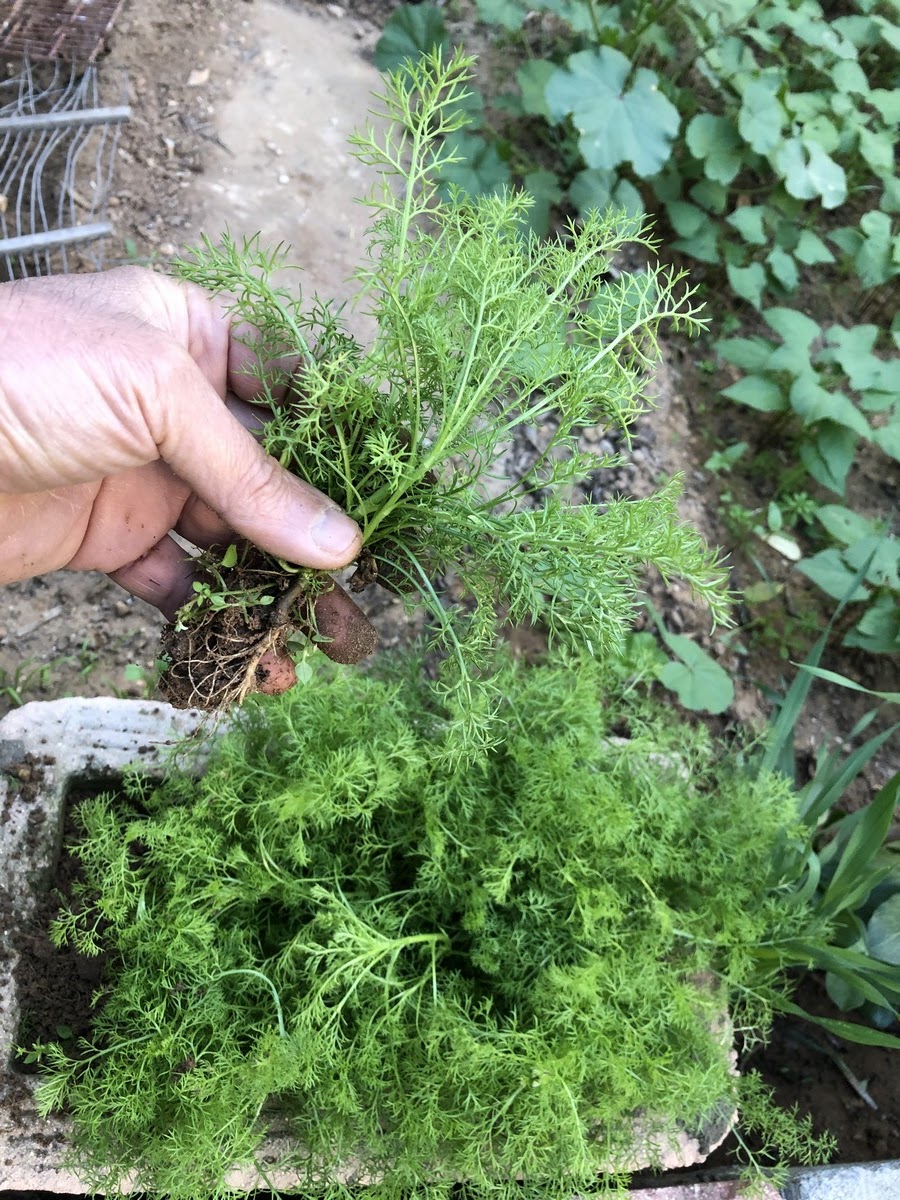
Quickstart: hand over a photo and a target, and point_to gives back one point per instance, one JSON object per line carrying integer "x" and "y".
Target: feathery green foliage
{"x": 517, "y": 968}
{"x": 481, "y": 329}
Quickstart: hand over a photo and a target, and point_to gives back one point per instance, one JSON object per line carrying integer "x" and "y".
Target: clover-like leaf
{"x": 853, "y": 349}
{"x": 878, "y": 630}
{"x": 620, "y": 118}
{"x": 826, "y": 175}
{"x": 877, "y": 148}
{"x": 783, "y": 267}
{"x": 874, "y": 258}
{"x": 888, "y": 438}
{"x": 748, "y": 221}
{"x": 810, "y": 249}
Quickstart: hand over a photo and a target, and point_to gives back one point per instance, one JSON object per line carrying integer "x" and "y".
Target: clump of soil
{"x": 220, "y": 655}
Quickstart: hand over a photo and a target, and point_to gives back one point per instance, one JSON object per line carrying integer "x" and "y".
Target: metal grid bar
{"x": 57, "y": 150}
{"x": 72, "y": 30}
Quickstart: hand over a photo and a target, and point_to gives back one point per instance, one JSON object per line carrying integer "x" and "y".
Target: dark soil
{"x": 825, "y": 1075}
{"x": 55, "y": 985}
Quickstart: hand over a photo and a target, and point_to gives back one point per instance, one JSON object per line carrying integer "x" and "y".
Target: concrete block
{"x": 856, "y": 1181}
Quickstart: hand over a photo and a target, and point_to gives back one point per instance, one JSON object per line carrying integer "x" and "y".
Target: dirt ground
{"x": 241, "y": 110}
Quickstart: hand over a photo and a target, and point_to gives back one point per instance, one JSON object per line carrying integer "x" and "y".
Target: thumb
{"x": 210, "y": 450}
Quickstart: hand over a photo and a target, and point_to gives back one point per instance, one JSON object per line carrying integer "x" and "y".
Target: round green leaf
{"x": 617, "y": 121}
{"x": 845, "y": 525}
{"x": 830, "y": 572}
{"x": 715, "y": 140}
{"x": 480, "y": 170}
{"x": 761, "y": 116}
{"x": 887, "y": 101}
{"x": 748, "y": 282}
{"x": 411, "y": 31}
{"x": 783, "y": 267}
{"x": 748, "y": 221}
{"x": 826, "y": 176}
{"x": 757, "y": 392}
{"x": 532, "y": 79}
{"x": 507, "y": 13}
{"x": 883, "y": 931}
{"x": 687, "y": 219}
{"x": 842, "y": 994}
{"x": 701, "y": 684}
{"x": 809, "y": 172}
{"x": 592, "y": 189}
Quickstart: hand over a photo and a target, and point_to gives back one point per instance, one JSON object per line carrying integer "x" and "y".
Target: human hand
{"x": 118, "y": 395}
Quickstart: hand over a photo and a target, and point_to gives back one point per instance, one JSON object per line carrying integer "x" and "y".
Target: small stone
{"x": 336, "y": 10}
{"x": 122, "y": 608}
{"x": 198, "y": 77}
{"x": 284, "y": 179}
{"x": 168, "y": 249}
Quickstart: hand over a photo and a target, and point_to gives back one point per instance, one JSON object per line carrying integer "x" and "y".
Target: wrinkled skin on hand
{"x": 123, "y": 418}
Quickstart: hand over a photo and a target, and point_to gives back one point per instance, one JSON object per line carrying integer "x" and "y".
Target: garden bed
{"x": 33, "y": 747}
{"x": 50, "y": 754}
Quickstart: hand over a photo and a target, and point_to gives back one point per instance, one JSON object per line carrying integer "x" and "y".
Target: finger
{"x": 209, "y": 449}
{"x": 254, "y": 372}
{"x": 352, "y": 637}
{"x": 198, "y": 523}
{"x": 251, "y": 416}
{"x": 163, "y": 577}
{"x": 203, "y": 527}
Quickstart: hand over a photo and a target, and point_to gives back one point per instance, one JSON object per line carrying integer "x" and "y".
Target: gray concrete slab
{"x": 857, "y": 1181}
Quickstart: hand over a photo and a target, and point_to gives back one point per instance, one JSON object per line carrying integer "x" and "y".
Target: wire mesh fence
{"x": 73, "y": 30}
{"x": 58, "y": 138}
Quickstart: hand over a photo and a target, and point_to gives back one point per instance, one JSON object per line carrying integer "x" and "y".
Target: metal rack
{"x": 74, "y": 30}
{"x": 58, "y": 139}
